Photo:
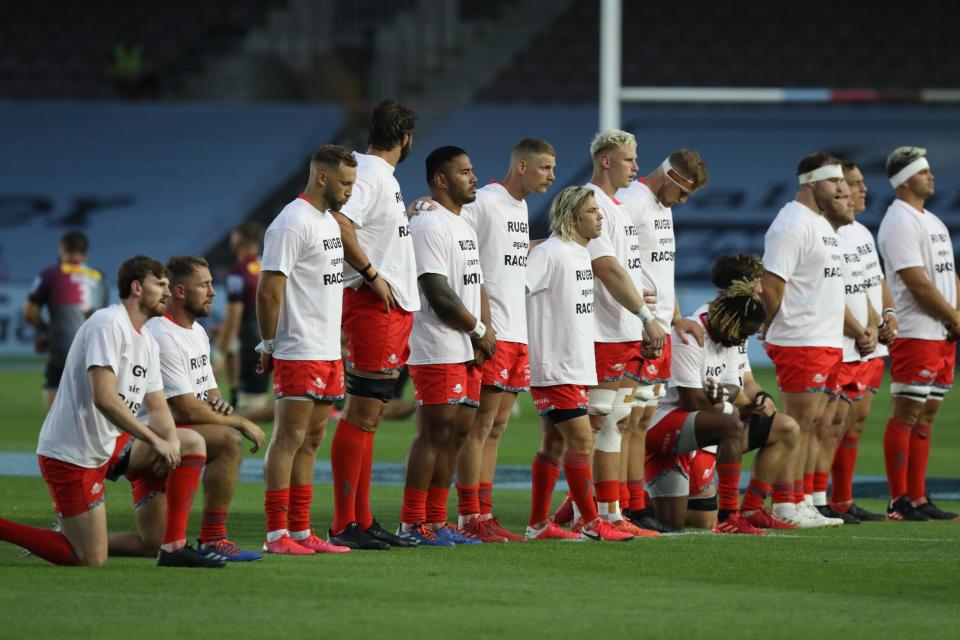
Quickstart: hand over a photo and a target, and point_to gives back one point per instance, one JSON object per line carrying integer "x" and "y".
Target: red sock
{"x": 756, "y": 495}
{"x": 468, "y": 499}
{"x": 729, "y": 485}
{"x": 576, "y": 466}
{"x": 808, "y": 483}
{"x": 637, "y": 495}
{"x": 182, "y": 485}
{"x": 437, "y": 504}
{"x": 414, "y": 509}
{"x": 364, "y": 512}
{"x": 544, "y": 478}
{"x": 624, "y": 495}
{"x": 896, "y": 452}
{"x": 346, "y": 458}
{"x": 214, "y": 525}
{"x": 844, "y": 462}
{"x": 276, "y": 503}
{"x": 821, "y": 481}
{"x": 782, "y": 492}
{"x": 52, "y": 546}
{"x": 797, "y": 491}
{"x": 486, "y": 498}
{"x": 301, "y": 495}
{"x": 607, "y": 490}
{"x": 917, "y": 467}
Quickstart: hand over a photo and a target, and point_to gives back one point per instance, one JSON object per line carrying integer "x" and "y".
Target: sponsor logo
{"x": 583, "y": 393}
{"x": 706, "y": 473}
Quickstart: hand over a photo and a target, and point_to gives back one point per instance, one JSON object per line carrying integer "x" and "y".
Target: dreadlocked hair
{"x": 735, "y": 306}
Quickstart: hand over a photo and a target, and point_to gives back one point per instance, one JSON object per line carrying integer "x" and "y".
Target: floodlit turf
{"x": 873, "y": 581}
{"x": 880, "y": 580}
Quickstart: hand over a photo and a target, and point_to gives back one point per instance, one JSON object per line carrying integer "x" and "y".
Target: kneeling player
{"x": 695, "y": 413}
{"x": 561, "y": 330}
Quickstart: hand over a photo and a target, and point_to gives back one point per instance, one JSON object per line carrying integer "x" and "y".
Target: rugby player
{"x": 649, "y": 201}
{"x": 695, "y": 413}
{"x": 560, "y": 306}
{"x": 499, "y": 218}
{"x": 112, "y": 369}
{"x": 622, "y": 316}
{"x": 71, "y": 291}
{"x": 299, "y": 303}
{"x": 803, "y": 263}
{"x": 918, "y": 258}
{"x": 450, "y": 340}
{"x": 379, "y": 299}
{"x": 871, "y": 366}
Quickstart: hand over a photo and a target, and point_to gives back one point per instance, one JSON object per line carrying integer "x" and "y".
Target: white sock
{"x": 300, "y": 535}
{"x": 463, "y": 520}
{"x": 576, "y": 512}
{"x": 610, "y": 511}
{"x": 808, "y": 499}
{"x": 819, "y": 498}
{"x": 273, "y": 536}
{"x": 406, "y": 527}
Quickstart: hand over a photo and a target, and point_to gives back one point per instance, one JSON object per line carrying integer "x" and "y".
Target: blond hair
{"x": 610, "y": 139}
{"x": 564, "y": 210}
{"x": 901, "y": 157}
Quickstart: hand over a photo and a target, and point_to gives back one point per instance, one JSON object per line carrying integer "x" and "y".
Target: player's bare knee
{"x": 191, "y": 443}
{"x": 731, "y": 429}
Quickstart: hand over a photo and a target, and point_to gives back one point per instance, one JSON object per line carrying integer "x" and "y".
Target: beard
{"x": 197, "y": 310}
{"x": 405, "y": 151}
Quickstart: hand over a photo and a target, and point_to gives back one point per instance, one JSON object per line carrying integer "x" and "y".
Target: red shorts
{"x": 663, "y": 437}
{"x": 873, "y": 374}
{"x": 803, "y": 369}
{"x": 457, "y": 383}
{"x": 376, "y": 340}
{"x": 509, "y": 368}
{"x": 923, "y": 362}
{"x": 318, "y": 379}
{"x": 74, "y": 489}
{"x": 847, "y": 381}
{"x": 656, "y": 371}
{"x": 666, "y": 470}
{"x": 612, "y": 358}
{"x": 562, "y": 397}
{"x": 703, "y": 472}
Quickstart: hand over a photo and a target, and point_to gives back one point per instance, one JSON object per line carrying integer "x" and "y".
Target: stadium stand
{"x": 150, "y": 178}
{"x": 739, "y": 44}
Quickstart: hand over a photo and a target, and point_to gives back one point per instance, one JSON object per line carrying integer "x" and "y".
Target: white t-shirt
{"x": 184, "y": 358}
{"x": 862, "y": 239}
{"x": 691, "y": 365}
{"x": 444, "y": 244}
{"x": 74, "y": 430}
{"x": 560, "y": 294}
{"x": 500, "y": 222}
{"x": 743, "y": 360}
{"x": 618, "y": 239}
{"x": 803, "y": 249}
{"x": 303, "y": 243}
{"x": 658, "y": 247}
{"x": 383, "y": 231}
{"x": 855, "y": 293}
{"x": 909, "y": 238}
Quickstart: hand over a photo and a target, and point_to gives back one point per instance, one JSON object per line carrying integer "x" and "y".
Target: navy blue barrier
{"x": 751, "y": 154}
{"x": 157, "y": 179}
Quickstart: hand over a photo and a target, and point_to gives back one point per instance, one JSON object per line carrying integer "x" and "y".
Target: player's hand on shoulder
{"x": 686, "y": 327}
{"x": 423, "y": 203}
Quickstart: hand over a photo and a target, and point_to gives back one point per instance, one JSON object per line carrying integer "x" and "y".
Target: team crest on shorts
{"x": 583, "y": 393}
{"x": 706, "y": 473}
{"x": 618, "y": 367}
{"x": 819, "y": 377}
{"x": 393, "y": 359}
{"x": 651, "y": 368}
{"x": 319, "y": 383}
{"x": 458, "y": 388}
{"x": 926, "y": 373}
{"x": 504, "y": 373}
{"x": 95, "y": 489}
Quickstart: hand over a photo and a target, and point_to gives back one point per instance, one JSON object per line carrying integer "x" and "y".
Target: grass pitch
{"x": 882, "y": 580}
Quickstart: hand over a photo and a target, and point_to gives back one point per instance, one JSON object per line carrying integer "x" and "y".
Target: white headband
{"x": 826, "y": 172}
{"x": 909, "y": 171}
{"x": 674, "y": 176}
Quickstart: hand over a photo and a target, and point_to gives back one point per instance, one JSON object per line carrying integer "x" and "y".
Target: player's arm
{"x": 355, "y": 256}
{"x": 620, "y": 285}
{"x": 698, "y": 399}
{"x": 449, "y": 308}
{"x": 888, "y": 326}
{"x": 187, "y": 408}
{"x": 31, "y": 314}
{"x": 160, "y": 435}
{"x": 269, "y": 299}
{"x": 772, "y": 296}
{"x": 928, "y": 297}
{"x": 752, "y": 395}
{"x": 685, "y": 326}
